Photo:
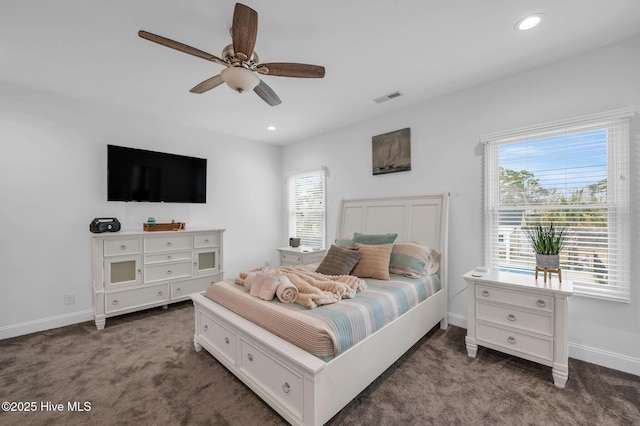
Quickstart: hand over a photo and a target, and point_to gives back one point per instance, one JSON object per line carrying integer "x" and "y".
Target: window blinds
{"x": 575, "y": 174}
{"x": 306, "y": 207}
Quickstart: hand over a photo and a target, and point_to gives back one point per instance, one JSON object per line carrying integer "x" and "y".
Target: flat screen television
{"x": 140, "y": 175}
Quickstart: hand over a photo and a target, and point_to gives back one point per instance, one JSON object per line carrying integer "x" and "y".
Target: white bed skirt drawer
{"x": 532, "y": 346}
{"x": 219, "y": 337}
{"x": 168, "y": 271}
{"x": 123, "y": 300}
{"x": 168, "y": 257}
{"x": 118, "y": 247}
{"x": 166, "y": 243}
{"x": 277, "y": 380}
{"x": 541, "y": 322}
{"x": 206, "y": 240}
{"x": 182, "y": 289}
{"x": 525, "y": 300}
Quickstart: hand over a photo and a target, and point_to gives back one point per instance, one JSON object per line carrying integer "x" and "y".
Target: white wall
{"x": 53, "y": 183}
{"x": 446, "y": 157}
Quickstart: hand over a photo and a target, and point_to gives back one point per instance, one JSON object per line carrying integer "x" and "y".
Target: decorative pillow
{"x": 338, "y": 261}
{"x": 413, "y": 260}
{"x": 374, "y": 262}
{"x": 344, "y": 242}
{"x": 372, "y": 238}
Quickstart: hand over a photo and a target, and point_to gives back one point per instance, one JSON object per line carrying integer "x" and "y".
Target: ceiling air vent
{"x": 388, "y": 97}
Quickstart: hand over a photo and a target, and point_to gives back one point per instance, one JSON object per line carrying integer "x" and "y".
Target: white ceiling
{"x": 423, "y": 48}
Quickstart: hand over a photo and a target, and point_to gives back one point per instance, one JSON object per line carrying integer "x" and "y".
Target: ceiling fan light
{"x": 528, "y": 22}
{"x": 240, "y": 79}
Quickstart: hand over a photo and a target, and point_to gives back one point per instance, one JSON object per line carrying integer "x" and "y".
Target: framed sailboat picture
{"x": 392, "y": 152}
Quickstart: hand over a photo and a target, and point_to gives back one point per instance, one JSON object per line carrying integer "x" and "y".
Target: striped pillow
{"x": 413, "y": 260}
{"x": 374, "y": 262}
{"x": 338, "y": 261}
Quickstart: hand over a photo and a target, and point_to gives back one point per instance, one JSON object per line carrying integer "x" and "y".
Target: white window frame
{"x": 618, "y": 229}
{"x": 316, "y": 237}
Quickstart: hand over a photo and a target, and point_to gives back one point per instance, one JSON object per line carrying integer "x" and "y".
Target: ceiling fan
{"x": 241, "y": 61}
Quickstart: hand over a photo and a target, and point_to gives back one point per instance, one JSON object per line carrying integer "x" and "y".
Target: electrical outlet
{"x": 69, "y": 298}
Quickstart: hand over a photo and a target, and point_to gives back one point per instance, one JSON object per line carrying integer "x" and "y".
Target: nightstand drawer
{"x": 524, "y": 320}
{"x": 521, "y": 299}
{"x": 290, "y": 258}
{"x": 515, "y": 341}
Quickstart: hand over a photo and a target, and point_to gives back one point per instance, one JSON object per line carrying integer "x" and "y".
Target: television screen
{"x": 141, "y": 175}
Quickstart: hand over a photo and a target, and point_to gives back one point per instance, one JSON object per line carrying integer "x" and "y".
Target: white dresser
{"x": 521, "y": 316}
{"x": 300, "y": 255}
{"x": 139, "y": 270}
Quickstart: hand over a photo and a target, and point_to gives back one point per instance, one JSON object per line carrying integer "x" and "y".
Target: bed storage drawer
{"x": 276, "y": 379}
{"x": 129, "y": 299}
{"x": 219, "y": 337}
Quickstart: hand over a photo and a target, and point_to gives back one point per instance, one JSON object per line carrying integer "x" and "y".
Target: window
{"x": 575, "y": 174}
{"x": 306, "y": 207}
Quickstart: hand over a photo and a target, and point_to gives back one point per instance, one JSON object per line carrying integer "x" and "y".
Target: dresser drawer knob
{"x": 511, "y": 340}
{"x": 286, "y": 387}
{"x": 205, "y": 327}
{"x": 115, "y": 302}
{"x": 206, "y": 241}
{"x": 178, "y": 290}
{"x": 541, "y": 303}
{"x": 160, "y": 293}
{"x": 168, "y": 257}
{"x": 250, "y": 357}
{"x": 226, "y": 340}
{"x": 169, "y": 244}
{"x": 123, "y": 247}
{"x": 485, "y": 293}
{"x": 169, "y": 272}
{"x": 511, "y": 317}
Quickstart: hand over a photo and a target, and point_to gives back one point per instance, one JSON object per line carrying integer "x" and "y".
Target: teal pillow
{"x": 373, "y": 239}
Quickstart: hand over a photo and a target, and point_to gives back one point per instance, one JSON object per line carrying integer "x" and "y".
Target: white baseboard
{"x": 29, "y": 327}
{"x": 605, "y": 358}
{"x": 457, "y": 320}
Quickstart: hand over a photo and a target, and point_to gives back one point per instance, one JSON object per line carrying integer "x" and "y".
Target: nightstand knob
{"x": 286, "y": 387}
{"x": 178, "y": 290}
{"x": 250, "y": 357}
{"x": 115, "y": 302}
{"x": 511, "y": 340}
{"x": 169, "y": 244}
{"x": 541, "y": 303}
{"x": 160, "y": 293}
{"x": 205, "y": 327}
{"x": 123, "y": 247}
{"x": 485, "y": 293}
{"x": 226, "y": 340}
{"x": 206, "y": 241}
{"x": 511, "y": 317}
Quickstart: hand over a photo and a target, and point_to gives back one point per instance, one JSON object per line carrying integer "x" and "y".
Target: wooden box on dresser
{"x": 139, "y": 270}
{"x": 519, "y": 315}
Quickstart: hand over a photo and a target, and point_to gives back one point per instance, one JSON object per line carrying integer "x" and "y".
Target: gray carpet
{"x": 142, "y": 369}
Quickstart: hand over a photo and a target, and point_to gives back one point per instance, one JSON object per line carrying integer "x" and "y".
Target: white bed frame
{"x": 299, "y": 386}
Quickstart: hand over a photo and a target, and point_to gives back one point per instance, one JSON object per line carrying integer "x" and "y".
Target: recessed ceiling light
{"x": 271, "y": 128}
{"x": 529, "y": 22}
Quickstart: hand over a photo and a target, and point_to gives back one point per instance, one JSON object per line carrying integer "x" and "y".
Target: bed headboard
{"x": 422, "y": 219}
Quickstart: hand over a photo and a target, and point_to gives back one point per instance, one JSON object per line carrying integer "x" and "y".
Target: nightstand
{"x": 300, "y": 255}
{"x": 521, "y": 316}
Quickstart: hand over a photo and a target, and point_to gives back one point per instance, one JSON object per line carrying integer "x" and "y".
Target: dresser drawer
{"x": 167, "y": 271}
{"x": 123, "y": 300}
{"x": 522, "y": 299}
{"x": 277, "y": 380}
{"x": 118, "y": 247}
{"x": 168, "y": 257}
{"x": 515, "y": 341}
{"x": 182, "y": 289}
{"x": 219, "y": 337}
{"x": 537, "y": 322}
{"x": 206, "y": 240}
{"x": 167, "y": 242}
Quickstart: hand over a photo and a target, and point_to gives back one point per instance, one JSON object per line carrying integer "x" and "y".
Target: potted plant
{"x": 546, "y": 241}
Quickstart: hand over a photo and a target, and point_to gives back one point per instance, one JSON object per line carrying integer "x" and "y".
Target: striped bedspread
{"x": 329, "y": 330}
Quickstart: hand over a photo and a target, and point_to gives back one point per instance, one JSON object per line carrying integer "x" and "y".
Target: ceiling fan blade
{"x": 180, "y": 47}
{"x": 244, "y": 30}
{"x": 267, "y": 94}
{"x": 287, "y": 69}
{"x": 208, "y": 84}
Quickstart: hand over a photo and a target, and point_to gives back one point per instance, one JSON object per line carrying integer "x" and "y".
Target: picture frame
{"x": 391, "y": 152}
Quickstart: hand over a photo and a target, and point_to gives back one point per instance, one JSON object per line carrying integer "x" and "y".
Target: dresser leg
{"x": 560, "y": 376}
{"x": 472, "y": 348}
{"x": 197, "y": 344}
